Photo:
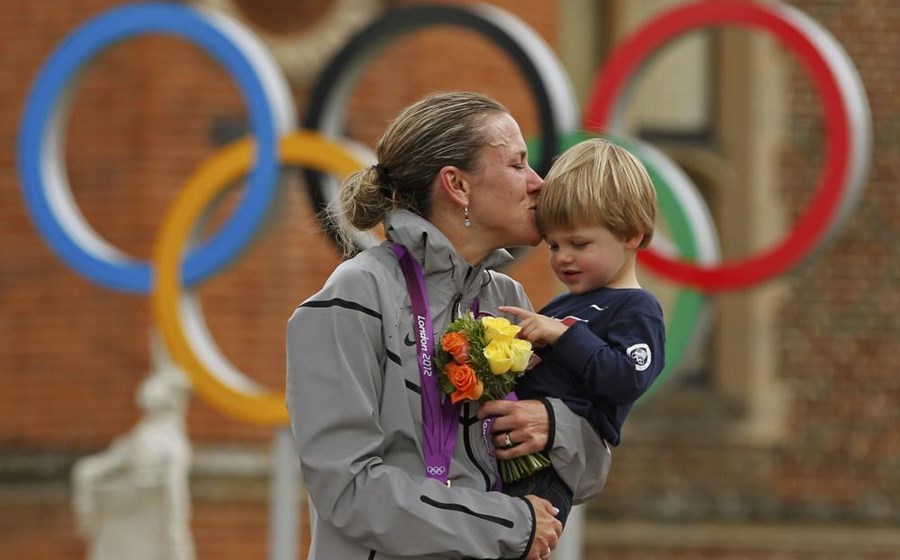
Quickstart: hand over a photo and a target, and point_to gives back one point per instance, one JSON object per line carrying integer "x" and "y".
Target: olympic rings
{"x": 553, "y": 91}
{"x": 848, "y": 147}
{"x": 46, "y": 187}
{"x": 178, "y": 314}
{"x": 51, "y": 204}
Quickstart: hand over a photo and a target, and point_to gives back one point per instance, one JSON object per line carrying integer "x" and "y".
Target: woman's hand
{"x": 524, "y": 423}
{"x": 547, "y": 529}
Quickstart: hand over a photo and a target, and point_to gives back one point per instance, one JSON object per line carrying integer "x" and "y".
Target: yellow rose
{"x": 497, "y": 354}
{"x": 519, "y": 353}
{"x": 498, "y": 328}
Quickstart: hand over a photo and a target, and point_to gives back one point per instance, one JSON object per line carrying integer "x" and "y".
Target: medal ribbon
{"x": 440, "y": 417}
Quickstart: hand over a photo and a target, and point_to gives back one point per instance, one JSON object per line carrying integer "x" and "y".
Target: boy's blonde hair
{"x": 597, "y": 183}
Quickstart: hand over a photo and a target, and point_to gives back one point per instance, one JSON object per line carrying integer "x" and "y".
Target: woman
{"x": 390, "y": 473}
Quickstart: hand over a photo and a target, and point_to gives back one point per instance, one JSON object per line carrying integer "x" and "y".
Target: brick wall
{"x": 843, "y": 459}
{"x": 837, "y": 461}
{"x": 146, "y": 114}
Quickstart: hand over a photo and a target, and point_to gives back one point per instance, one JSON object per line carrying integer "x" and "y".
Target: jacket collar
{"x": 433, "y": 250}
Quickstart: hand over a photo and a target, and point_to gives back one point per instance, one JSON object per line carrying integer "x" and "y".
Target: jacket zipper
{"x": 468, "y": 444}
{"x": 454, "y": 308}
{"x": 467, "y": 439}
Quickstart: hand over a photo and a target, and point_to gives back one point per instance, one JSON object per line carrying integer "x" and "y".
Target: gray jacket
{"x": 353, "y": 392}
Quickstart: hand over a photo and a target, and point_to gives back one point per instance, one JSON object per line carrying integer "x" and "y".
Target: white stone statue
{"x": 132, "y": 500}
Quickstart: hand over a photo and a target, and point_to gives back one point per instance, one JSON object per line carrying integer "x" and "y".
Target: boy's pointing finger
{"x": 516, "y": 311}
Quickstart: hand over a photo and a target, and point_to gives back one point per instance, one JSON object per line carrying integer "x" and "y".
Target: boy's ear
{"x": 454, "y": 183}
{"x": 633, "y": 242}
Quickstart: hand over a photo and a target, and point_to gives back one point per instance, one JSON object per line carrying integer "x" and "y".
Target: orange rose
{"x": 468, "y": 386}
{"x": 457, "y": 344}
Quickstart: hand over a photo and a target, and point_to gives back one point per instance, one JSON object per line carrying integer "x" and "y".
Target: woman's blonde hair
{"x": 597, "y": 183}
{"x": 447, "y": 128}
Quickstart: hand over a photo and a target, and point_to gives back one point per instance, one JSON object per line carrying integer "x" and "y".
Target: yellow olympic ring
{"x": 214, "y": 378}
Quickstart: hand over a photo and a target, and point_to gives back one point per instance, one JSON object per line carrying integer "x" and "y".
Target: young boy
{"x": 601, "y": 345}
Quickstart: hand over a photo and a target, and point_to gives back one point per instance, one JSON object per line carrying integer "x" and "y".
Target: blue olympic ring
{"x": 46, "y": 188}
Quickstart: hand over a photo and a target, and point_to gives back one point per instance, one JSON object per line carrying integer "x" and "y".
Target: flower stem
{"x": 512, "y": 470}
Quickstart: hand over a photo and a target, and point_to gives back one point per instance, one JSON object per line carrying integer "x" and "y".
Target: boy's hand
{"x": 537, "y": 329}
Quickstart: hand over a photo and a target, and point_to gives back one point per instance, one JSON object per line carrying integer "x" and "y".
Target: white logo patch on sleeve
{"x": 641, "y": 355}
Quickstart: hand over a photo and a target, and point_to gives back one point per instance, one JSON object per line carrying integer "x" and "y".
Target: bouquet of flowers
{"x": 480, "y": 360}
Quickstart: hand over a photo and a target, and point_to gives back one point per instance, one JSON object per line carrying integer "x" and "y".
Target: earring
{"x": 466, "y": 222}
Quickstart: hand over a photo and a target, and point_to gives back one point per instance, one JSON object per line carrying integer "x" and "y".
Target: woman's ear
{"x": 453, "y": 182}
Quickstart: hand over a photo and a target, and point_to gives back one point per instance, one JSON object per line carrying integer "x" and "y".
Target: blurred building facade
{"x": 777, "y": 437}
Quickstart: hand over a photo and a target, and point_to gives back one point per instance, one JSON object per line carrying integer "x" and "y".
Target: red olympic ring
{"x": 839, "y": 170}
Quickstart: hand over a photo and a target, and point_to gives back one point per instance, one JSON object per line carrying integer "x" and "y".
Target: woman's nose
{"x": 535, "y": 183}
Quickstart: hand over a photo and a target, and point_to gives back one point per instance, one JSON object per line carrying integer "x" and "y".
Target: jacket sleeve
{"x": 335, "y": 387}
{"x": 621, "y": 368}
{"x": 580, "y": 456}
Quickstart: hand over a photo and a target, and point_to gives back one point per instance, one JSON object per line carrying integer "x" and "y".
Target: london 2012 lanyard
{"x": 440, "y": 417}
